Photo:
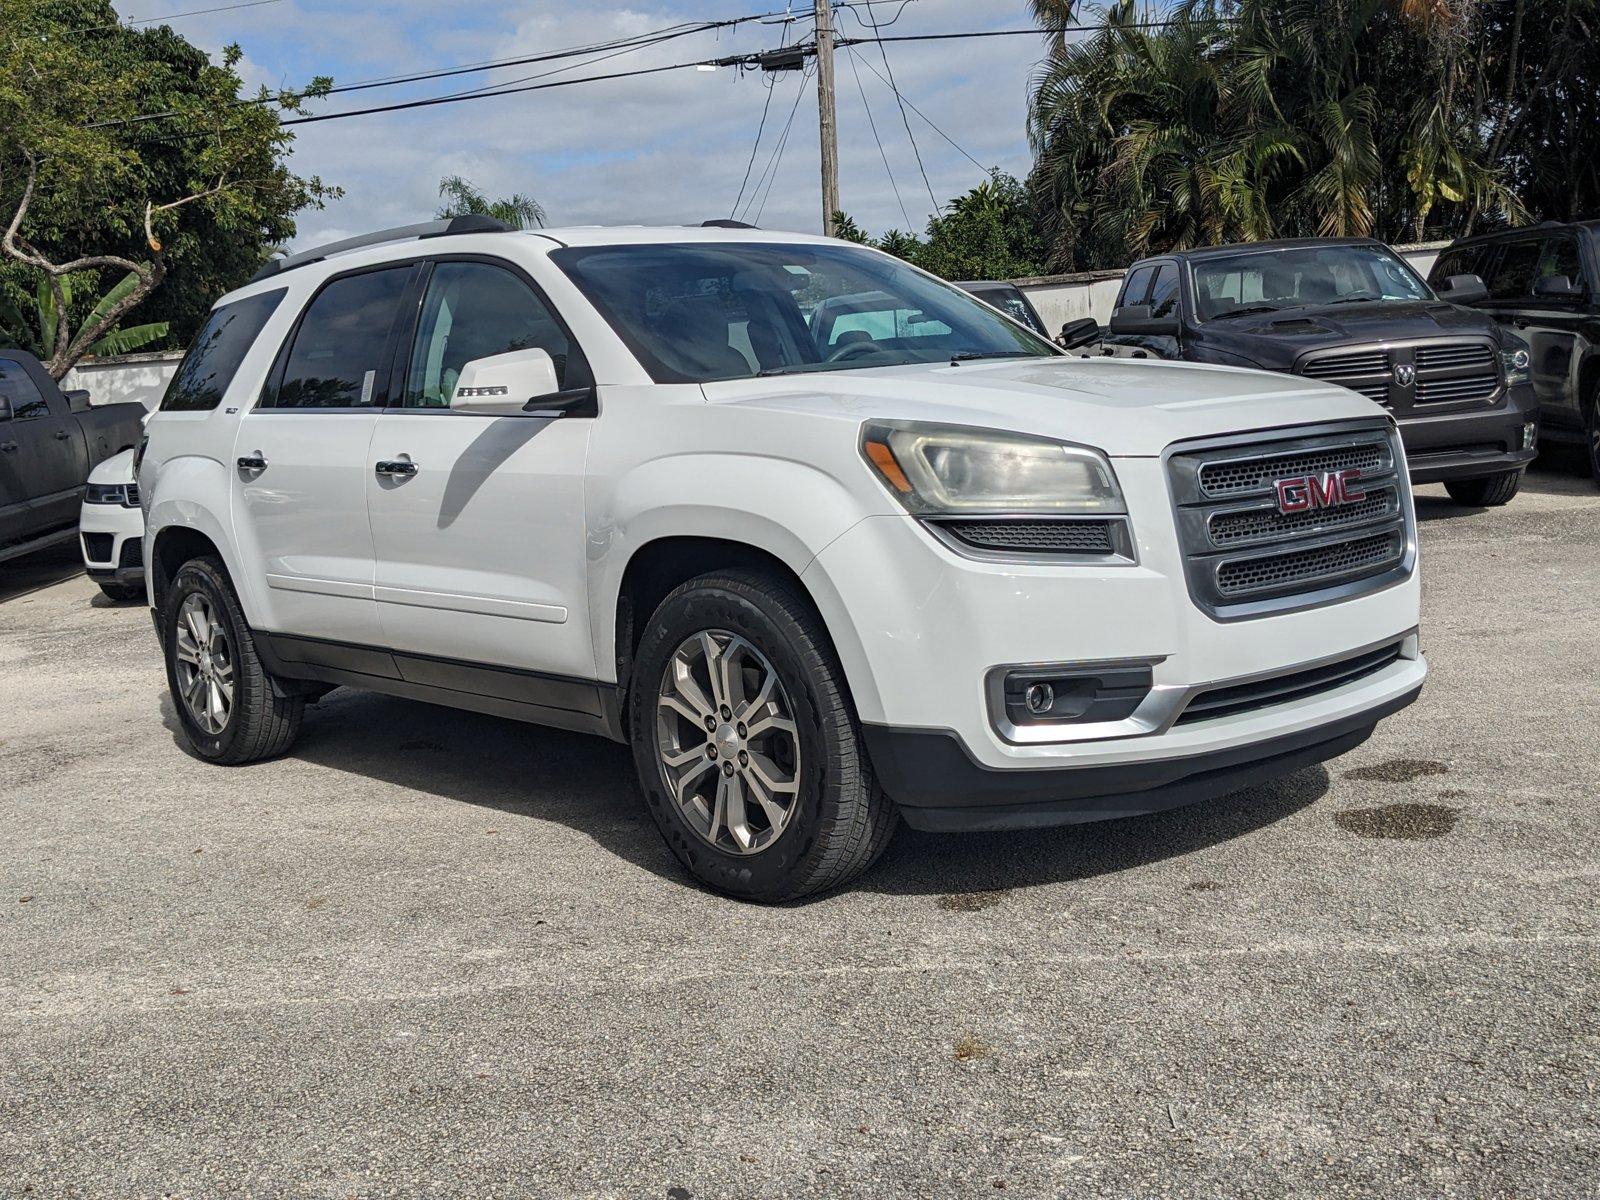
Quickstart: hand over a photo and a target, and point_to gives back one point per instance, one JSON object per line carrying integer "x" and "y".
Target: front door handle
{"x": 7, "y": 446}
{"x": 398, "y": 468}
{"x": 252, "y": 462}
{"x": 62, "y": 435}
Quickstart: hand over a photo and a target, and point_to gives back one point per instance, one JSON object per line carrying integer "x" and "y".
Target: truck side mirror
{"x": 5, "y": 409}
{"x": 514, "y": 383}
{"x": 1078, "y": 333}
{"x": 1557, "y": 287}
{"x": 1463, "y": 289}
{"x": 1136, "y": 319}
{"x": 78, "y": 400}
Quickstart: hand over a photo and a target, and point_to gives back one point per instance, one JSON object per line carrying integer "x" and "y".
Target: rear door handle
{"x": 397, "y": 468}
{"x": 8, "y": 446}
{"x": 252, "y": 462}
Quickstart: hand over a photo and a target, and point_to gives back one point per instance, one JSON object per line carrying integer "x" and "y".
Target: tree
{"x": 989, "y": 233}
{"x": 86, "y": 188}
{"x": 35, "y": 332}
{"x": 462, "y": 198}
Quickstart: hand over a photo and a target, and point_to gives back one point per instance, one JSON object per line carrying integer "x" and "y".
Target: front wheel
{"x": 1489, "y": 492}
{"x": 747, "y": 747}
{"x": 1591, "y": 430}
{"x": 228, "y": 707}
{"x": 121, "y": 593}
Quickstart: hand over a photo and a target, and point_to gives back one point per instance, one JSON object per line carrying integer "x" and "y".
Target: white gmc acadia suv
{"x": 826, "y": 540}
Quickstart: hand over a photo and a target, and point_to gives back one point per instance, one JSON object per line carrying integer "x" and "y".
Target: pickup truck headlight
{"x": 1516, "y": 363}
{"x": 944, "y": 470}
{"x": 125, "y": 494}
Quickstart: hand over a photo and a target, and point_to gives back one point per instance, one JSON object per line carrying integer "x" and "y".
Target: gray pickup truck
{"x": 49, "y": 442}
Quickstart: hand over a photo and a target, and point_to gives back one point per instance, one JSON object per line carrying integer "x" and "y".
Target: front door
{"x": 1550, "y": 325}
{"x": 302, "y": 460}
{"x": 478, "y": 521}
{"x": 42, "y": 458}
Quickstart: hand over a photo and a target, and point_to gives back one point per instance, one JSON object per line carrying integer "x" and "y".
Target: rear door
{"x": 42, "y": 460}
{"x": 480, "y": 550}
{"x": 302, "y": 459}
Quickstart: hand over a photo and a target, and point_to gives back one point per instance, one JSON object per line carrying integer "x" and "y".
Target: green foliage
{"x": 989, "y": 233}
{"x": 1246, "y": 119}
{"x": 462, "y": 198}
{"x": 35, "y": 330}
{"x": 199, "y": 193}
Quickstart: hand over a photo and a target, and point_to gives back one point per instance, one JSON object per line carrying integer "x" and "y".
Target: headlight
{"x": 1515, "y": 364}
{"x": 125, "y": 494}
{"x": 950, "y": 469}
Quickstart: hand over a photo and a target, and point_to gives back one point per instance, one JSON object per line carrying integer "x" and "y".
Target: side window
{"x": 337, "y": 359}
{"x": 1560, "y": 257}
{"x": 1164, "y": 294}
{"x": 214, "y": 358}
{"x": 1466, "y": 261}
{"x": 1133, "y": 291}
{"x": 1513, "y": 275}
{"x": 27, "y": 403}
{"x": 475, "y": 310}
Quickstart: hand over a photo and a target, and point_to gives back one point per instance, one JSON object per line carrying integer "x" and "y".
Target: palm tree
{"x": 463, "y": 198}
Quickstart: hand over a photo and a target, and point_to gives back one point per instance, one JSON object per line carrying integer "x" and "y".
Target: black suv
{"x": 1543, "y": 282}
{"x": 1349, "y": 311}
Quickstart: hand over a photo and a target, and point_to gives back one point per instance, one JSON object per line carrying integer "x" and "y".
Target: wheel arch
{"x": 186, "y": 519}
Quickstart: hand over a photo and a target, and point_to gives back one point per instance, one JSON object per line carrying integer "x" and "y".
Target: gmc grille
{"x": 1035, "y": 536}
{"x": 1245, "y": 557}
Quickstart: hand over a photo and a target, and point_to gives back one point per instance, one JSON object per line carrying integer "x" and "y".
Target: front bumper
{"x": 920, "y": 629}
{"x": 111, "y": 538}
{"x": 1471, "y": 445}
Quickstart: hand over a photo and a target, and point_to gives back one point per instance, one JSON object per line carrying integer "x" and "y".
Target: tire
{"x": 122, "y": 593}
{"x": 1591, "y": 432}
{"x": 259, "y": 719}
{"x": 837, "y": 821}
{"x": 1489, "y": 492}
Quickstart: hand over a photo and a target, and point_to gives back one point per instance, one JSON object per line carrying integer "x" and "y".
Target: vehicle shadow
{"x": 39, "y": 570}
{"x": 587, "y": 784}
{"x": 1560, "y": 470}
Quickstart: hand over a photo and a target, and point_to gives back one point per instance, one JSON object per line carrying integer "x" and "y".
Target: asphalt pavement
{"x": 431, "y": 953}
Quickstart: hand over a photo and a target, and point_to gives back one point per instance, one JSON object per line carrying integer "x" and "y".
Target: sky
{"x": 669, "y": 148}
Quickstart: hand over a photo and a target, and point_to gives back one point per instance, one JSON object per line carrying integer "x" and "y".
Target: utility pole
{"x": 828, "y": 117}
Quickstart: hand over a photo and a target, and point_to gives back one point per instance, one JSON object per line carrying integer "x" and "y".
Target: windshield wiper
{"x": 1356, "y": 300}
{"x": 975, "y": 355}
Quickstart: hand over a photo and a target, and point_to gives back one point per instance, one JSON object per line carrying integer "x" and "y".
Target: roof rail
{"x": 727, "y": 223}
{"x": 472, "y": 223}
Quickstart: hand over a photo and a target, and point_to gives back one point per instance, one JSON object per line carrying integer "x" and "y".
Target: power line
{"x": 882, "y": 153}
{"x": 989, "y": 33}
{"x": 766, "y": 106}
{"x": 904, "y": 120}
{"x": 771, "y": 174}
{"x": 926, "y": 119}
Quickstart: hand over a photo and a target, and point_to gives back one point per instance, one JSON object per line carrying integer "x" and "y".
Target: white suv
{"x": 828, "y": 541}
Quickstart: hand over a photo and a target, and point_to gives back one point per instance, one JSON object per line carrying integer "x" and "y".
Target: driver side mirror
{"x": 1463, "y": 289}
{"x": 1557, "y": 287}
{"x": 511, "y": 384}
{"x": 5, "y": 409}
{"x": 1136, "y": 319}
{"x": 1078, "y": 333}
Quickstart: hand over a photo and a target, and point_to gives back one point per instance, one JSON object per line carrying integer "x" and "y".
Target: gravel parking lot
{"x": 433, "y": 953}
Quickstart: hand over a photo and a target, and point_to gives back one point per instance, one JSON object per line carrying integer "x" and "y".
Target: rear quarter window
{"x": 212, "y": 362}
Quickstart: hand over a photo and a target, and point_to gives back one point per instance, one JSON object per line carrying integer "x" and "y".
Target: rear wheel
{"x": 228, "y": 706}
{"x": 747, "y": 747}
{"x": 1591, "y": 430}
{"x": 1489, "y": 492}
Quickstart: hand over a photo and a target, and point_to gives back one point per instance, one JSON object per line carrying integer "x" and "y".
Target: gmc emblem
{"x": 1304, "y": 493}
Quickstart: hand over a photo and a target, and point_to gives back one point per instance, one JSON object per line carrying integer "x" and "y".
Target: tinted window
{"x": 702, "y": 311}
{"x": 213, "y": 360}
{"x": 337, "y": 360}
{"x": 1560, "y": 257}
{"x": 474, "y": 310}
{"x": 1302, "y": 276}
{"x": 17, "y": 387}
{"x": 1513, "y": 275}
{"x": 1466, "y": 261}
{"x": 1134, "y": 291}
{"x": 1164, "y": 294}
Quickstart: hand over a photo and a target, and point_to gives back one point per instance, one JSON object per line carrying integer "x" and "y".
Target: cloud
{"x": 669, "y": 147}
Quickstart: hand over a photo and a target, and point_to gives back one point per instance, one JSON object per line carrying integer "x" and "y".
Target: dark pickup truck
{"x": 49, "y": 442}
{"x": 1350, "y": 311}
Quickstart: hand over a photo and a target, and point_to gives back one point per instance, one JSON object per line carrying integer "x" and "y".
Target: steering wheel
{"x": 851, "y": 350}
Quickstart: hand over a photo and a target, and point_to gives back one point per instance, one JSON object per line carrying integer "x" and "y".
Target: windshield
{"x": 1008, "y": 300}
{"x": 704, "y": 311}
{"x": 1305, "y": 275}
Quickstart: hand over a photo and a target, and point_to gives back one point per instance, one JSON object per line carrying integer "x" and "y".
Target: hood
{"x": 116, "y": 469}
{"x": 1126, "y": 408}
{"x": 1276, "y": 339}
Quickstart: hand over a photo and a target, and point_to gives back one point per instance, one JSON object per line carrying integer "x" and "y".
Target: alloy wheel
{"x": 727, "y": 743}
{"x": 205, "y": 666}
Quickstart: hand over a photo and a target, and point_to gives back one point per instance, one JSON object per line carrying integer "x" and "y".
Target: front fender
{"x": 788, "y": 509}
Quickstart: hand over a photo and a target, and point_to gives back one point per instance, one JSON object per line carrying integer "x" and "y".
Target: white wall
{"x": 140, "y": 377}
{"x": 1063, "y": 298}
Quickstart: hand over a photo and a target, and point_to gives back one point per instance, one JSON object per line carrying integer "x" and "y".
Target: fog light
{"x": 1072, "y": 693}
{"x": 1040, "y": 699}
{"x": 1530, "y": 435}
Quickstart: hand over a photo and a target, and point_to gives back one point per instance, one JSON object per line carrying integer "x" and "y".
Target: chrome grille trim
{"x": 1436, "y": 371}
{"x": 1244, "y": 558}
